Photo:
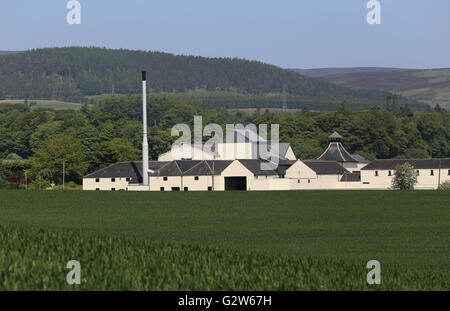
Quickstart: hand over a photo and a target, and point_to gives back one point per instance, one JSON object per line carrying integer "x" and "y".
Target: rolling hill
{"x": 8, "y": 52}
{"x": 70, "y": 74}
{"x": 431, "y": 86}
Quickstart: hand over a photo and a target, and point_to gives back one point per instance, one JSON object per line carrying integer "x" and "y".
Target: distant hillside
{"x": 8, "y": 52}
{"x": 71, "y": 73}
{"x": 431, "y": 86}
{"x": 323, "y": 72}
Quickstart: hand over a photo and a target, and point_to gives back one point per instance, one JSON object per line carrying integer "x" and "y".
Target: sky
{"x": 286, "y": 33}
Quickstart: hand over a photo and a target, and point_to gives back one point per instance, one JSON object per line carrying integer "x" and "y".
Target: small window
{"x": 128, "y": 178}
{"x": 449, "y": 172}
{"x": 113, "y": 180}
{"x": 376, "y": 173}
{"x": 390, "y": 173}
{"x": 97, "y": 180}
{"x": 165, "y": 178}
{"x": 113, "y": 189}
{"x": 196, "y": 178}
{"x": 209, "y": 188}
{"x": 309, "y": 181}
{"x": 161, "y": 189}
{"x": 418, "y": 173}
{"x": 97, "y": 189}
{"x": 432, "y": 173}
{"x": 186, "y": 189}
{"x": 175, "y": 188}
{"x": 298, "y": 181}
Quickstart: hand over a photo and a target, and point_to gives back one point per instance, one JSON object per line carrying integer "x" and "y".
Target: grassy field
{"x": 403, "y": 230}
{"x": 430, "y": 86}
{"x": 36, "y": 260}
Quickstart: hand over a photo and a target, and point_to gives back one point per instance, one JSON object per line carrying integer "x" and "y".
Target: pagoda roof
{"x": 337, "y": 152}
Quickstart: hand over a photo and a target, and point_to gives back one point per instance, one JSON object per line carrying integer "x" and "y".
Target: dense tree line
{"x": 230, "y": 100}
{"x": 72, "y": 73}
{"x": 110, "y": 131}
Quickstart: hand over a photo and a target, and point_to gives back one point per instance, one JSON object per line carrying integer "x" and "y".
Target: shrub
{"x": 405, "y": 177}
{"x": 445, "y": 185}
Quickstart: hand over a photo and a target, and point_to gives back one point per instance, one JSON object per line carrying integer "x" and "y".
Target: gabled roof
{"x": 326, "y": 167}
{"x": 360, "y": 158}
{"x": 254, "y": 166}
{"x": 131, "y": 170}
{"x": 336, "y": 152}
{"x": 192, "y": 168}
{"x": 390, "y": 164}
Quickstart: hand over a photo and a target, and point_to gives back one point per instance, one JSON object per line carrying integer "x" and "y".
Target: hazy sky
{"x": 288, "y": 33}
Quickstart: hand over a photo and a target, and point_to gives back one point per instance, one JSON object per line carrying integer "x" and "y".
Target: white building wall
{"x": 105, "y": 184}
{"x": 353, "y": 167}
{"x": 187, "y": 151}
{"x": 158, "y": 182}
{"x": 425, "y": 180}
{"x": 233, "y": 151}
{"x": 235, "y": 169}
{"x": 290, "y": 155}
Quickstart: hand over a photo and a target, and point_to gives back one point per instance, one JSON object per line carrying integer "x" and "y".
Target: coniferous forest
{"x": 71, "y": 74}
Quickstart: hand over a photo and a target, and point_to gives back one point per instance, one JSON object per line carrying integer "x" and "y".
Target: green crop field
{"x": 225, "y": 240}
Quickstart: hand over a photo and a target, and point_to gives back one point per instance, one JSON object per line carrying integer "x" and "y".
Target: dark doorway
{"x": 175, "y": 188}
{"x": 235, "y": 183}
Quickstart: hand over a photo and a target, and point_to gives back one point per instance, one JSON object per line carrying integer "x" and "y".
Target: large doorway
{"x": 235, "y": 183}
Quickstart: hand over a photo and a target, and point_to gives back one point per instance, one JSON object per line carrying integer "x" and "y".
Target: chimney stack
{"x": 144, "y": 126}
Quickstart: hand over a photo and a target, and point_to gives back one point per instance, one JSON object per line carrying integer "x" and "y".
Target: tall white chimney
{"x": 144, "y": 126}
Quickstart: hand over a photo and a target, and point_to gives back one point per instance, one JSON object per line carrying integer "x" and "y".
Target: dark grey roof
{"x": 192, "y": 168}
{"x": 283, "y": 165}
{"x": 131, "y": 170}
{"x": 390, "y": 164}
{"x": 351, "y": 177}
{"x": 217, "y": 166}
{"x": 336, "y": 152}
{"x": 360, "y": 158}
{"x": 254, "y": 166}
{"x": 326, "y": 167}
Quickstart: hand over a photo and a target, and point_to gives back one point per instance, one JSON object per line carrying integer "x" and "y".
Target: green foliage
{"x": 117, "y": 150}
{"x": 445, "y": 186}
{"x": 69, "y": 73}
{"x": 57, "y": 153}
{"x": 405, "y": 177}
{"x": 36, "y": 259}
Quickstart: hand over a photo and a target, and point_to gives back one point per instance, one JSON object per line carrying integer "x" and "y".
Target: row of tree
{"x": 110, "y": 131}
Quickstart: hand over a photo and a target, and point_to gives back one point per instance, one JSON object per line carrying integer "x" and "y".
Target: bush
{"x": 405, "y": 177}
{"x": 445, "y": 185}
